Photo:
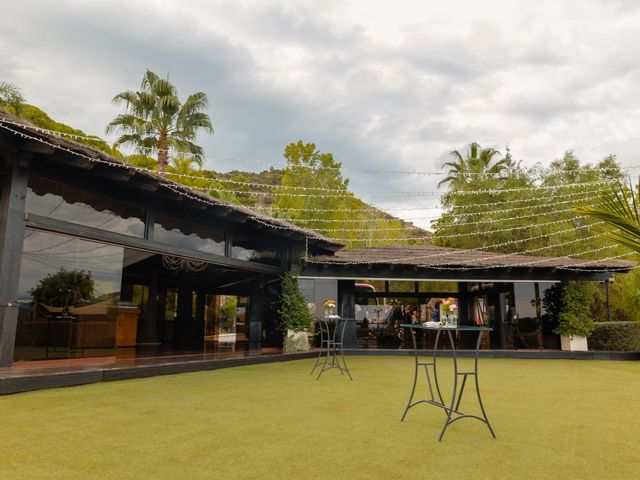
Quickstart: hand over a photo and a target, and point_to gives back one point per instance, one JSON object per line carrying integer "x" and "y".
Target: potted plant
{"x": 574, "y": 318}
{"x": 295, "y": 317}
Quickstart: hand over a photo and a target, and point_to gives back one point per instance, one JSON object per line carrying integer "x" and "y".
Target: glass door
{"x": 226, "y": 322}
{"x": 171, "y": 305}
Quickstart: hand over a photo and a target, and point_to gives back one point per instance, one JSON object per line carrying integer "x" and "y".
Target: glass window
{"x": 251, "y": 250}
{"x": 402, "y": 286}
{"x": 549, "y": 297}
{"x": 184, "y": 233}
{"x": 226, "y": 323}
{"x": 307, "y": 287}
{"x": 426, "y": 287}
{"x": 64, "y": 202}
{"x": 370, "y": 285}
{"x": 526, "y": 334}
{"x": 69, "y": 292}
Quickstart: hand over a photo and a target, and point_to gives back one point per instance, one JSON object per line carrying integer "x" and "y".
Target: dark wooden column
{"x": 256, "y": 312}
{"x": 12, "y": 208}
{"x": 347, "y": 309}
{"x": 199, "y": 317}
{"x": 149, "y": 334}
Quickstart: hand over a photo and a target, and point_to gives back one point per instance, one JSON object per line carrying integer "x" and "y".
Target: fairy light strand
{"x": 260, "y": 220}
{"x": 219, "y": 157}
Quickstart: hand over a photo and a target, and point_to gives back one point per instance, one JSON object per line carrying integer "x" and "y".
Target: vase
{"x": 329, "y": 311}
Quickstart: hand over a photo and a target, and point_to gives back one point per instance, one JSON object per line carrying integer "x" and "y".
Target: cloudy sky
{"x": 381, "y": 85}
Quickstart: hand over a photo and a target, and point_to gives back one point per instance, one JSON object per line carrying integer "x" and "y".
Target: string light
{"x": 465, "y": 234}
{"x": 167, "y": 184}
{"x": 406, "y": 194}
{"x": 439, "y": 266}
{"x": 374, "y": 209}
{"x": 614, "y": 257}
{"x": 446, "y": 225}
{"x": 341, "y": 195}
{"x": 510, "y": 265}
{"x": 456, "y": 251}
{"x": 254, "y": 161}
{"x": 268, "y": 223}
{"x": 527, "y": 252}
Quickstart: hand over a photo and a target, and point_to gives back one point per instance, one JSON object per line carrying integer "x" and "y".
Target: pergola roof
{"x": 432, "y": 256}
{"x": 431, "y": 262}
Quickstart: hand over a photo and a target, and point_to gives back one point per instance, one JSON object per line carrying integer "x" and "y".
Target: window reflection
{"x": 226, "y": 322}
{"x": 548, "y": 291}
{"x": 64, "y": 202}
{"x": 187, "y": 234}
{"x": 379, "y": 318}
{"x": 527, "y": 321}
{"x": 251, "y": 250}
{"x": 69, "y": 292}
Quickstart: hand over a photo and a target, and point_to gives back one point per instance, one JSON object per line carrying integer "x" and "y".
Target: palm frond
{"x": 619, "y": 210}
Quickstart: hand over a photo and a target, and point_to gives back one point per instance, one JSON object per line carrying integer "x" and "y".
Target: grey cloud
{"x": 370, "y": 104}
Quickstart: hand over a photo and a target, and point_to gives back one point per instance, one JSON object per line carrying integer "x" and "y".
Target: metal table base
{"x": 452, "y": 409}
{"x": 331, "y": 349}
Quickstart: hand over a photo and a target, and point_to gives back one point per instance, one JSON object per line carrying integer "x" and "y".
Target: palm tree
{"x": 477, "y": 161}
{"x": 620, "y": 210}
{"x": 156, "y": 120}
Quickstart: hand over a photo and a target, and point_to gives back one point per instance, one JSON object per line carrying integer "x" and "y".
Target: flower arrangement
{"x": 329, "y": 304}
{"x": 329, "y": 307}
{"x": 448, "y": 306}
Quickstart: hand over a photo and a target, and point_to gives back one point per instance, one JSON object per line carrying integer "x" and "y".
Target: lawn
{"x": 554, "y": 419}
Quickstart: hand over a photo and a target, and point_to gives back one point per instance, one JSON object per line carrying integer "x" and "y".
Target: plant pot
{"x": 573, "y": 343}
{"x": 296, "y": 342}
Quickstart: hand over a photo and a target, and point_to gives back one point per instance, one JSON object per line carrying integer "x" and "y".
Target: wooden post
{"x": 149, "y": 334}
{"x": 255, "y": 321}
{"x": 256, "y": 312}
{"x": 12, "y": 211}
{"x": 347, "y": 309}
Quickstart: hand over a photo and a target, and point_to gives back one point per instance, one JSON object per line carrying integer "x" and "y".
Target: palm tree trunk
{"x": 163, "y": 153}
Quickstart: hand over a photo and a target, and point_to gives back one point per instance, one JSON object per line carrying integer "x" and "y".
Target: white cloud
{"x": 382, "y": 85}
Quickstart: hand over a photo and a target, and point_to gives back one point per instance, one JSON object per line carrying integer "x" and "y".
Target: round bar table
{"x": 332, "y": 329}
{"x": 451, "y": 408}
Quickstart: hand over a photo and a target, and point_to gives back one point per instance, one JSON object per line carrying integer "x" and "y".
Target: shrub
{"x": 616, "y": 336}
{"x": 294, "y": 313}
{"x": 575, "y": 316}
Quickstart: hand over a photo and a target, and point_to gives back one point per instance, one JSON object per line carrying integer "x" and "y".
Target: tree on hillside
{"x": 317, "y": 197}
{"x": 509, "y": 210}
{"x": 156, "y": 119}
{"x": 11, "y": 97}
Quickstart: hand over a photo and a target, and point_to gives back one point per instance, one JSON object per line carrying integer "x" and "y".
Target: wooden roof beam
{"x": 33, "y": 146}
{"x": 67, "y": 158}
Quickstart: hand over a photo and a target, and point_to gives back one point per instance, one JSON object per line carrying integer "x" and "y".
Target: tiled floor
{"x": 123, "y": 359}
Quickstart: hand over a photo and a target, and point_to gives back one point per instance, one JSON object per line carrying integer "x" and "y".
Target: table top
{"x": 464, "y": 328}
{"x": 333, "y": 318}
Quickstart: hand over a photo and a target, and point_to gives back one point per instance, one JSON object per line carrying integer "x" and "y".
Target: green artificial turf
{"x": 554, "y": 419}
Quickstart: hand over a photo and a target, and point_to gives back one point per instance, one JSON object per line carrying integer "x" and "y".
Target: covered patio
{"x": 386, "y": 286}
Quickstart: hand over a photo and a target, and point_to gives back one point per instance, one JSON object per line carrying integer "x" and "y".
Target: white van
{"x": 369, "y": 309}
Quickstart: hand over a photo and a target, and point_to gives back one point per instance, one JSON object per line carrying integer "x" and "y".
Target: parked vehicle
{"x": 369, "y": 312}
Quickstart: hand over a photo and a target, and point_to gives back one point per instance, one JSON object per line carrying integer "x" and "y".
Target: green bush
{"x": 294, "y": 313}
{"x": 575, "y": 315}
{"x": 616, "y": 336}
